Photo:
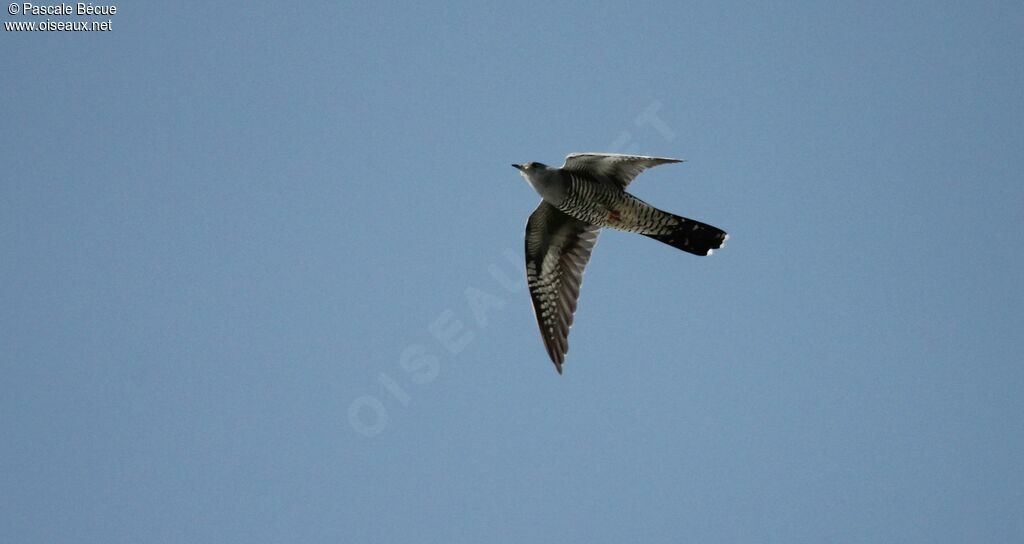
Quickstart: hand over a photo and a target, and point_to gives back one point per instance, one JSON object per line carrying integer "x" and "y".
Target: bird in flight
{"x": 587, "y": 193}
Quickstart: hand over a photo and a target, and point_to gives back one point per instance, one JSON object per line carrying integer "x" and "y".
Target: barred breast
{"x": 600, "y": 204}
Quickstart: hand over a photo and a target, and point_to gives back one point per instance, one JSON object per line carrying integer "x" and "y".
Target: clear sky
{"x": 262, "y": 275}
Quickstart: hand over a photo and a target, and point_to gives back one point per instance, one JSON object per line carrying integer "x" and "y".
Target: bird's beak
{"x": 518, "y": 167}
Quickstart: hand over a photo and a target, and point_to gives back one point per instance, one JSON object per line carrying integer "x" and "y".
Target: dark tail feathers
{"x": 693, "y": 237}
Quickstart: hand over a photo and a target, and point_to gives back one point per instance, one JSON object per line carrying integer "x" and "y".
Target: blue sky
{"x": 256, "y": 283}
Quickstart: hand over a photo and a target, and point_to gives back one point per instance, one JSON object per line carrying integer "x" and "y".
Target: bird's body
{"x": 586, "y": 194}
{"x": 604, "y": 205}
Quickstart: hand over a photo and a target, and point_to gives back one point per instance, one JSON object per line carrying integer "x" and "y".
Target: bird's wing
{"x": 557, "y": 249}
{"x": 618, "y": 169}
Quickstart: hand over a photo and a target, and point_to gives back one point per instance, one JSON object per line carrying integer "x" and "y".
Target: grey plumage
{"x": 584, "y": 195}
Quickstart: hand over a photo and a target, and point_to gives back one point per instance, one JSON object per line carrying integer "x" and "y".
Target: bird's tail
{"x": 693, "y": 237}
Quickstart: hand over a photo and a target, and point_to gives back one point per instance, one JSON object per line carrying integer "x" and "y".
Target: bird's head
{"x": 536, "y": 174}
